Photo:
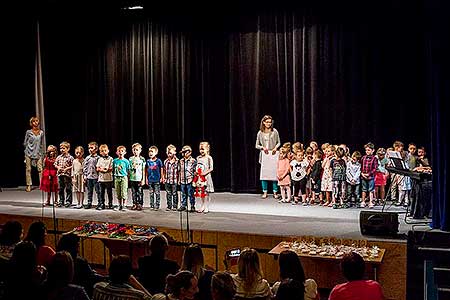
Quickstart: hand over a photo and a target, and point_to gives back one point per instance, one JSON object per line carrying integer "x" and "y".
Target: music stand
{"x": 396, "y": 162}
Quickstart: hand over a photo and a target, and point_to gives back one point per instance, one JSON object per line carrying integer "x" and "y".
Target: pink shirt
{"x": 283, "y": 169}
{"x": 357, "y": 290}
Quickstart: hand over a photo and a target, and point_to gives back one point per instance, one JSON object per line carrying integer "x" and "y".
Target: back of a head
{"x": 11, "y": 233}
{"x": 60, "y": 269}
{"x": 248, "y": 266}
{"x": 24, "y": 257}
{"x": 193, "y": 260}
{"x": 290, "y": 289}
{"x": 70, "y": 243}
{"x": 179, "y": 281}
{"x": 120, "y": 269}
{"x": 290, "y": 266}
{"x": 36, "y": 233}
{"x": 158, "y": 245}
{"x": 222, "y": 286}
{"x": 352, "y": 266}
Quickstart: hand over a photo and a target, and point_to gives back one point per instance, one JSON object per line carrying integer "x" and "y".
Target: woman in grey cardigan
{"x": 268, "y": 141}
{"x": 34, "y": 150}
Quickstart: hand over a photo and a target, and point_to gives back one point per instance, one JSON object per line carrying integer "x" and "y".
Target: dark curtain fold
{"x": 438, "y": 47}
{"x": 339, "y": 77}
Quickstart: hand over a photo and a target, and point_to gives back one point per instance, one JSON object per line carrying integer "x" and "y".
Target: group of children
{"x": 330, "y": 176}
{"x": 64, "y": 174}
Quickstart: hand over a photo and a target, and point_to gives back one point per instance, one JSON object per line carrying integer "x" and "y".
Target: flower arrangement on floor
{"x": 118, "y": 231}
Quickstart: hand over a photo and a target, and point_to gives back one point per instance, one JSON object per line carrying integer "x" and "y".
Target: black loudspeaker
{"x": 378, "y": 223}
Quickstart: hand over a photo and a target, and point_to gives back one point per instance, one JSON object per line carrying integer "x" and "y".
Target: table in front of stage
{"x": 373, "y": 261}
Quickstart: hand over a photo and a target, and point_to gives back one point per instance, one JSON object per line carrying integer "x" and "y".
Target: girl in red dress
{"x": 49, "y": 181}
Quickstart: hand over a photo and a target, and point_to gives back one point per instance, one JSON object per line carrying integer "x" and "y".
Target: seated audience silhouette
{"x": 352, "y": 266}
{"x": 83, "y": 275}
{"x": 182, "y": 286}
{"x": 123, "y": 285}
{"x": 36, "y": 234}
{"x": 290, "y": 289}
{"x": 249, "y": 280}
{"x": 291, "y": 268}
{"x": 193, "y": 261}
{"x": 154, "y": 268}
{"x": 222, "y": 286}
{"x": 25, "y": 277}
{"x": 59, "y": 281}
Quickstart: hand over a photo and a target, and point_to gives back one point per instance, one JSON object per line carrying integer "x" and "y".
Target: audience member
{"x": 11, "y": 234}
{"x": 36, "y": 234}
{"x": 154, "y": 268}
{"x": 182, "y": 286}
{"x": 123, "y": 285}
{"x": 249, "y": 281}
{"x": 352, "y": 266}
{"x": 291, "y": 268}
{"x": 59, "y": 281}
{"x": 222, "y": 286}
{"x": 290, "y": 289}
{"x": 25, "y": 277}
{"x": 193, "y": 261}
{"x": 83, "y": 275}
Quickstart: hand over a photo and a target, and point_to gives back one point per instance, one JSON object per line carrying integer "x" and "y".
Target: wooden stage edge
{"x": 391, "y": 273}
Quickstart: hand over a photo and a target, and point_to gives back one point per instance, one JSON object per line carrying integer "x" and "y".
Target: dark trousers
{"x": 171, "y": 195}
{"x": 137, "y": 193}
{"x": 65, "y": 184}
{"x": 353, "y": 192}
{"x": 108, "y": 187}
{"x": 187, "y": 191}
{"x": 92, "y": 184}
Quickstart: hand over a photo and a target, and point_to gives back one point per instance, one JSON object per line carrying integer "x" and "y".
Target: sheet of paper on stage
{"x": 269, "y": 164}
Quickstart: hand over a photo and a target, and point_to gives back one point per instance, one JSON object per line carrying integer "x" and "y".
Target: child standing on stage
{"x": 404, "y": 186}
{"x": 187, "y": 171}
{"x": 316, "y": 175}
{"x": 283, "y": 176}
{"x": 369, "y": 164}
{"x": 206, "y": 161}
{"x": 338, "y": 169}
{"x": 77, "y": 176}
{"x": 154, "y": 176}
{"x": 171, "y": 175}
{"x": 49, "y": 181}
{"x": 326, "y": 182}
{"x": 298, "y": 168}
{"x": 381, "y": 175}
{"x": 353, "y": 174}
{"x": 395, "y": 178}
{"x": 137, "y": 176}
{"x": 105, "y": 178}
{"x": 297, "y": 146}
{"x": 90, "y": 173}
{"x": 121, "y": 169}
{"x": 314, "y": 146}
{"x": 309, "y": 158}
{"x": 63, "y": 164}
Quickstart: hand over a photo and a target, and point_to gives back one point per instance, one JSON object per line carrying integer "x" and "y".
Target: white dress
{"x": 207, "y": 164}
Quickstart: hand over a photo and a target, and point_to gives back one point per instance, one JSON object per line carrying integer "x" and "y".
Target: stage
{"x": 237, "y": 213}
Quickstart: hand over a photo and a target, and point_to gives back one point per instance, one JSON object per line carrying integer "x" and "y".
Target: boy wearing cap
{"x": 154, "y": 176}
{"x": 187, "y": 171}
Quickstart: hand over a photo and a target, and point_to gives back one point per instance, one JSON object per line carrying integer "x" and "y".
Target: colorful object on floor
{"x": 118, "y": 231}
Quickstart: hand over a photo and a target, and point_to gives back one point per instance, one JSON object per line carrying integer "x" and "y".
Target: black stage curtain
{"x": 340, "y": 73}
{"x": 438, "y": 47}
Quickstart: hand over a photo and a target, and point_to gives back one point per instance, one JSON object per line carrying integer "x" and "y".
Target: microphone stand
{"x": 188, "y": 199}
